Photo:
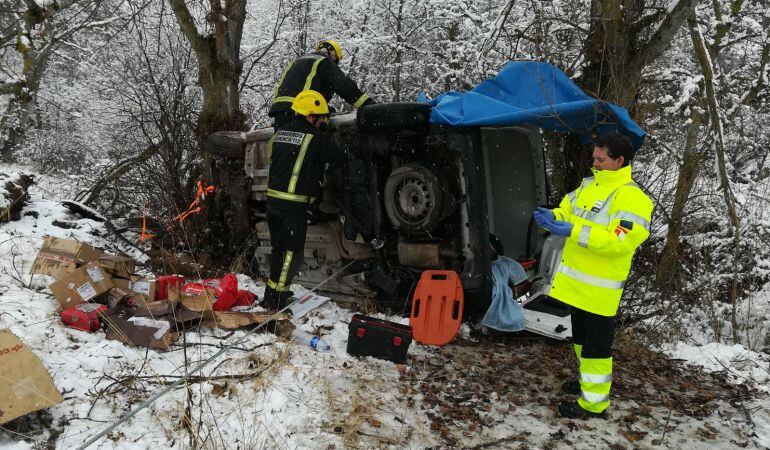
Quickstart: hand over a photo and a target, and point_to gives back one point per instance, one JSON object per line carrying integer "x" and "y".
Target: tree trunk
{"x": 219, "y": 73}
{"x": 701, "y": 51}
{"x": 692, "y": 162}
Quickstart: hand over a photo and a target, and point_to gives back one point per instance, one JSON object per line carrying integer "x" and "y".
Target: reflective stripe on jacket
{"x": 611, "y": 218}
{"x": 298, "y": 153}
{"x": 318, "y": 73}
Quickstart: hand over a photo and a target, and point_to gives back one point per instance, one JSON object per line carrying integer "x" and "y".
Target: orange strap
{"x": 145, "y": 234}
{"x": 197, "y": 205}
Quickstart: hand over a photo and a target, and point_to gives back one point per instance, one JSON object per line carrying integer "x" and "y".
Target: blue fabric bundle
{"x": 505, "y": 313}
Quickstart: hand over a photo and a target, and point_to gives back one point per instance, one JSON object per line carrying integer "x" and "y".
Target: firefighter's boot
{"x": 571, "y": 387}
{"x": 572, "y": 410}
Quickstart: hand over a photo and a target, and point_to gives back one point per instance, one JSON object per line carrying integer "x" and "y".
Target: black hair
{"x": 617, "y": 145}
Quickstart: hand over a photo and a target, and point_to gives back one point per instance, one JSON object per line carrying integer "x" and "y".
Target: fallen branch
{"x": 89, "y": 213}
{"x": 514, "y": 438}
{"x": 167, "y": 380}
{"x": 243, "y": 349}
{"x": 117, "y": 171}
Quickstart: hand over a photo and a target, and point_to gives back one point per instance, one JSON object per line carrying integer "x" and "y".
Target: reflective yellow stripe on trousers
{"x": 281, "y": 286}
{"x": 595, "y": 383}
{"x": 274, "y": 286}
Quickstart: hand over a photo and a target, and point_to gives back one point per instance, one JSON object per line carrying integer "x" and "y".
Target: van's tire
{"x": 394, "y": 117}
{"x": 414, "y": 199}
{"x": 230, "y": 144}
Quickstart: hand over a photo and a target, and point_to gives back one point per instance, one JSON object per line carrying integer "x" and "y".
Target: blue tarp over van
{"x": 538, "y": 94}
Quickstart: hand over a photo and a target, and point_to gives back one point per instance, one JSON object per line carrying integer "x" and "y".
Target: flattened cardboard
{"x": 119, "y": 266}
{"x": 59, "y": 257}
{"x": 119, "y": 328}
{"x": 80, "y": 286}
{"x": 227, "y": 320}
{"x": 232, "y": 320}
{"x": 145, "y": 288}
{"x": 186, "y": 318}
{"x": 26, "y": 384}
{"x": 171, "y": 310}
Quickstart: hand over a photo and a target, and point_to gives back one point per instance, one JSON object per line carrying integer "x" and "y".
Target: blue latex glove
{"x": 543, "y": 216}
{"x": 559, "y": 228}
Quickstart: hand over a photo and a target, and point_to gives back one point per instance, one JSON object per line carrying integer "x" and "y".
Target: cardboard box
{"x": 59, "y": 257}
{"x": 81, "y": 286}
{"x": 119, "y": 266}
{"x": 158, "y": 333}
{"x": 27, "y": 386}
{"x": 145, "y": 287}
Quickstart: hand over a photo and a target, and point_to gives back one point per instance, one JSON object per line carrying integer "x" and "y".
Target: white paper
{"x": 86, "y": 291}
{"x": 88, "y": 307}
{"x": 162, "y": 325}
{"x": 140, "y": 287}
{"x": 306, "y": 304}
{"x": 95, "y": 274}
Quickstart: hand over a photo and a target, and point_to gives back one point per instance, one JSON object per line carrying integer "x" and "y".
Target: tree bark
{"x": 219, "y": 70}
{"x": 707, "y": 68}
{"x": 692, "y": 161}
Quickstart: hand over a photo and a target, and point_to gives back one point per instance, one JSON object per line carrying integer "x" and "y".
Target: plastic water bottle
{"x": 311, "y": 341}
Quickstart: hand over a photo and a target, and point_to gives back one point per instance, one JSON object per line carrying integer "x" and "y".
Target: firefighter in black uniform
{"x": 298, "y": 154}
{"x": 319, "y": 72}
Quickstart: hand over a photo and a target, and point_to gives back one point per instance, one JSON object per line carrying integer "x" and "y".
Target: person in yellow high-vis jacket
{"x": 603, "y": 222}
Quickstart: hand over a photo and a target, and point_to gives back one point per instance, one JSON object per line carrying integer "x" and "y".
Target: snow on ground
{"x": 265, "y": 392}
{"x": 742, "y": 366}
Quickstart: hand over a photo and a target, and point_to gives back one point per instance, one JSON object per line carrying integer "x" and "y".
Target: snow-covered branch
{"x": 665, "y": 33}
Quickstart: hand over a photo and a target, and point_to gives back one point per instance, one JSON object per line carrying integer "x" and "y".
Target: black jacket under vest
{"x": 318, "y": 73}
{"x": 298, "y": 155}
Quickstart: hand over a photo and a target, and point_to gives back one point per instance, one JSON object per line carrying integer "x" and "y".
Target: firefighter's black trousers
{"x": 593, "y": 332}
{"x": 288, "y": 228}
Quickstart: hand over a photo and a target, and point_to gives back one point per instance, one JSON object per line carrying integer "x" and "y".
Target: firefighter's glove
{"x": 543, "y": 216}
{"x": 559, "y": 228}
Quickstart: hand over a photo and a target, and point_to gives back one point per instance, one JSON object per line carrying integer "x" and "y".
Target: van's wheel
{"x": 414, "y": 200}
{"x": 394, "y": 117}
{"x": 230, "y": 144}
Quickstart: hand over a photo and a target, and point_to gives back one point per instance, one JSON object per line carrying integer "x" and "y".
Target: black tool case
{"x": 379, "y": 338}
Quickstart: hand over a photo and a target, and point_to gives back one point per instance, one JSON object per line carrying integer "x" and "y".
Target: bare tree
{"x": 34, "y": 31}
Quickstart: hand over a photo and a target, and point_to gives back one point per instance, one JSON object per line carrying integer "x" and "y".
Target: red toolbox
{"x": 84, "y": 316}
{"x": 381, "y": 339}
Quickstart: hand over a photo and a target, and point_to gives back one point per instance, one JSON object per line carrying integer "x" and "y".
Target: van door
{"x": 515, "y": 186}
